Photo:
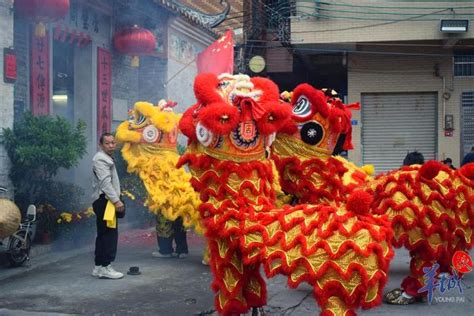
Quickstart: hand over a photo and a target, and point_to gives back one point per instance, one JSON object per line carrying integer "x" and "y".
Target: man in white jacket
{"x": 106, "y": 187}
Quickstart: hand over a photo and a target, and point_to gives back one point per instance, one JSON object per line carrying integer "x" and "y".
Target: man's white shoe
{"x": 109, "y": 273}
{"x": 158, "y": 254}
{"x": 95, "y": 272}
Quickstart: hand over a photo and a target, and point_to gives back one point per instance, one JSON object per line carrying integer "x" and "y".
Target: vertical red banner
{"x": 104, "y": 91}
{"x": 9, "y": 65}
{"x": 39, "y": 74}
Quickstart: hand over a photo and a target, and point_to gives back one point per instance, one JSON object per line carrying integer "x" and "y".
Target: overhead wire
{"x": 367, "y": 26}
{"x": 350, "y": 28}
{"x": 410, "y": 18}
{"x": 363, "y": 14}
{"x": 382, "y": 7}
{"x": 330, "y": 50}
{"x": 378, "y": 12}
{"x": 375, "y": 44}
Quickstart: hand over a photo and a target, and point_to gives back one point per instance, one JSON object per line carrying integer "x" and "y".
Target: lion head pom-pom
{"x": 430, "y": 169}
{"x": 467, "y": 171}
{"x": 359, "y": 202}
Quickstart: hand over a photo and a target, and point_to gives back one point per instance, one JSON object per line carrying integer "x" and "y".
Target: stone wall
{"x": 6, "y": 90}
{"x": 100, "y": 19}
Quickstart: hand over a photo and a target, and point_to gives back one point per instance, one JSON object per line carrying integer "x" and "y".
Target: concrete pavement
{"x": 61, "y": 283}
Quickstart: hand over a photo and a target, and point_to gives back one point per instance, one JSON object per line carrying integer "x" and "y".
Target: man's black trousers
{"x": 107, "y": 238}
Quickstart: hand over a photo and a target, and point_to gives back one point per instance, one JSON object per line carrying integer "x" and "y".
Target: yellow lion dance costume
{"x": 150, "y": 139}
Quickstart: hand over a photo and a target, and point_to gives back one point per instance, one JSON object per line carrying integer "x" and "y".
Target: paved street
{"x": 53, "y": 284}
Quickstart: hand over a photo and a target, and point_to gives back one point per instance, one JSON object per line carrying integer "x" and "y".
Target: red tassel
{"x": 430, "y": 169}
{"x": 467, "y": 171}
{"x": 359, "y": 202}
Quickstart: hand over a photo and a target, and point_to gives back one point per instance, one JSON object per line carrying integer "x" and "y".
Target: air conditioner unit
{"x": 454, "y": 26}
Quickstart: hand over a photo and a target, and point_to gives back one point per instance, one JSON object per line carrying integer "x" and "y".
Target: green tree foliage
{"x": 38, "y": 146}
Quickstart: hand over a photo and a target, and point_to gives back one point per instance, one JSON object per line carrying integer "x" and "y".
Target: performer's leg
{"x": 335, "y": 307}
{"x": 228, "y": 273}
{"x": 255, "y": 290}
{"x": 179, "y": 235}
{"x": 164, "y": 232}
{"x": 165, "y": 245}
{"x": 408, "y": 294}
{"x": 415, "y": 281}
{"x": 206, "y": 256}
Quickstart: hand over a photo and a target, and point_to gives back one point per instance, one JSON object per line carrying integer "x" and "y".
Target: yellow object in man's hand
{"x": 109, "y": 215}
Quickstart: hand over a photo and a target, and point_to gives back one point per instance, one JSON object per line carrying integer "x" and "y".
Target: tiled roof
{"x": 204, "y": 12}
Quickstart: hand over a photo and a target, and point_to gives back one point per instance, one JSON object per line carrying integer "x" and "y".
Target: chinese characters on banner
{"x": 39, "y": 74}
{"x": 104, "y": 91}
{"x": 9, "y": 65}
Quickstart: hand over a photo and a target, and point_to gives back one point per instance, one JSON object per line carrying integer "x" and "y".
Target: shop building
{"x": 409, "y": 63}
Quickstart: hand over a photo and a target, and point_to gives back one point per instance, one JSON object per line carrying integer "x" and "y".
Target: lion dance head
{"x": 150, "y": 140}
{"x": 235, "y": 117}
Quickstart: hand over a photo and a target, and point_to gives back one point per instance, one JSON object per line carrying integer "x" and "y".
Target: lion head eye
{"x": 141, "y": 119}
{"x": 312, "y": 133}
{"x": 197, "y": 109}
{"x": 224, "y": 84}
{"x": 302, "y": 107}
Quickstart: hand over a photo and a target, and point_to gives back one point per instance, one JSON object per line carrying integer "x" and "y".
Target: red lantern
{"x": 42, "y": 11}
{"x": 135, "y": 41}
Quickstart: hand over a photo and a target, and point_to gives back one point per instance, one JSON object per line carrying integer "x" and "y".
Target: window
{"x": 63, "y": 80}
{"x": 464, "y": 65}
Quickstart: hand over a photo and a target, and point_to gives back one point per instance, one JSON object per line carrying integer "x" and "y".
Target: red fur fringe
{"x": 205, "y": 88}
{"x": 219, "y": 117}
{"x": 276, "y": 116}
{"x": 430, "y": 169}
{"x": 186, "y": 123}
{"x": 359, "y": 202}
{"x": 411, "y": 286}
{"x": 270, "y": 89}
{"x": 467, "y": 171}
{"x": 330, "y": 172}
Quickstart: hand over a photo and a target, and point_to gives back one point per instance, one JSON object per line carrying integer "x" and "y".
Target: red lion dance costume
{"x": 343, "y": 252}
{"x": 429, "y": 206}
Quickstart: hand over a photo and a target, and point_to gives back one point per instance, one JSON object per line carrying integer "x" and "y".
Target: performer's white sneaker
{"x": 109, "y": 273}
{"x": 95, "y": 272}
{"x": 157, "y": 254}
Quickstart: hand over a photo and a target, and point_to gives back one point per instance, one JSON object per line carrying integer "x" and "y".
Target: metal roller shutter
{"x": 467, "y": 128}
{"x": 396, "y": 123}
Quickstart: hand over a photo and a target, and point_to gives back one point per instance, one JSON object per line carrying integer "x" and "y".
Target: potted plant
{"x": 46, "y": 216}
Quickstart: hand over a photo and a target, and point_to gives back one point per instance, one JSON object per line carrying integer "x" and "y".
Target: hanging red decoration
{"x": 135, "y": 41}
{"x": 41, "y": 12}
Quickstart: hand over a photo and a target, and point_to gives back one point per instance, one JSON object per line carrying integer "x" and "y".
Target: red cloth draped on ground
{"x": 218, "y": 58}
